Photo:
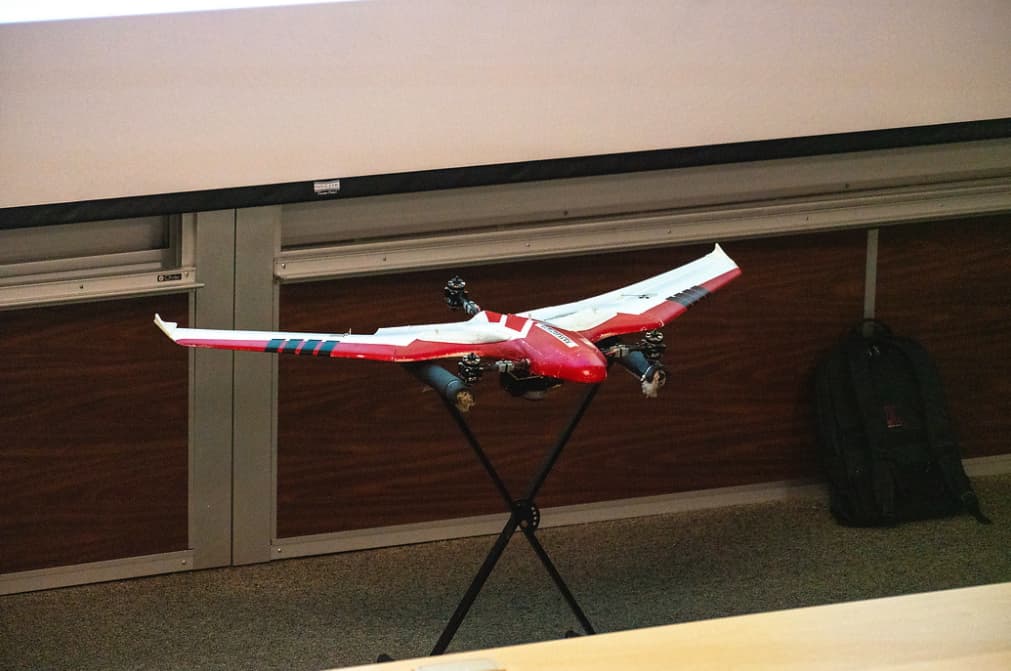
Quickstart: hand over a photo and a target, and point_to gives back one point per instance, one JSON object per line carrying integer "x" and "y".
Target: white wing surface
{"x": 400, "y": 343}
{"x": 645, "y": 305}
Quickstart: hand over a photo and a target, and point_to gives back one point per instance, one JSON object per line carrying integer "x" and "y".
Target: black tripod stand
{"x": 523, "y": 515}
{"x": 641, "y": 359}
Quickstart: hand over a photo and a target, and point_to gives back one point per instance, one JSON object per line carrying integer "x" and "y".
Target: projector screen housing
{"x": 178, "y": 112}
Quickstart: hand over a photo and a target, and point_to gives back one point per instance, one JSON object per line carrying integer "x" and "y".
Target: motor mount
{"x": 652, "y": 345}
{"x": 641, "y": 360}
{"x": 457, "y": 298}
{"x": 471, "y": 368}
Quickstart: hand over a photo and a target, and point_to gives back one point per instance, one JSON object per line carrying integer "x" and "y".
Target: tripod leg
{"x": 514, "y": 521}
{"x": 559, "y": 583}
{"x": 534, "y": 487}
{"x": 475, "y": 586}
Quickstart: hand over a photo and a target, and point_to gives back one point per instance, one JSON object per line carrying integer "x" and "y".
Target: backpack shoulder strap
{"x": 940, "y": 433}
{"x": 858, "y": 350}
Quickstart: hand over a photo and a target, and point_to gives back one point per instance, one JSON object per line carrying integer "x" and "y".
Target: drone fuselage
{"x": 532, "y": 351}
{"x": 553, "y": 352}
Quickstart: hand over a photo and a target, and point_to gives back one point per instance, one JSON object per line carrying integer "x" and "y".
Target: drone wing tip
{"x": 167, "y": 327}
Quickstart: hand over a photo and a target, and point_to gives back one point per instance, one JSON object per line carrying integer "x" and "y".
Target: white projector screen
{"x": 57, "y": 10}
{"x": 141, "y": 105}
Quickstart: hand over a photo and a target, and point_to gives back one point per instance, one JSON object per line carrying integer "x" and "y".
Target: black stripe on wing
{"x": 689, "y": 297}
{"x": 311, "y": 347}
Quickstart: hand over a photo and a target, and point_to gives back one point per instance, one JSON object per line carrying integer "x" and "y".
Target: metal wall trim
{"x": 771, "y": 217}
{"x": 102, "y": 571}
{"x": 577, "y": 199}
{"x": 173, "y": 280}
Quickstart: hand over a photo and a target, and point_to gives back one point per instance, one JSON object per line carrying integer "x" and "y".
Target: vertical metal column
{"x": 871, "y": 274}
{"x": 257, "y": 242}
{"x": 210, "y": 429}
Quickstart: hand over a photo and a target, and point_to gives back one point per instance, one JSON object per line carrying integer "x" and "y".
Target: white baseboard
{"x": 102, "y": 571}
{"x": 997, "y": 464}
{"x": 302, "y": 546}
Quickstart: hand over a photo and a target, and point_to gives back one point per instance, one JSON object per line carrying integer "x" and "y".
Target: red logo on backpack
{"x": 892, "y": 418}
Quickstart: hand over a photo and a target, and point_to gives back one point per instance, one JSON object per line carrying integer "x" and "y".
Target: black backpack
{"x": 884, "y": 434}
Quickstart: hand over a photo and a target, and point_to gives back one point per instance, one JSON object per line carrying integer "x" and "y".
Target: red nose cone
{"x": 583, "y": 363}
{"x": 565, "y": 355}
{"x": 593, "y": 374}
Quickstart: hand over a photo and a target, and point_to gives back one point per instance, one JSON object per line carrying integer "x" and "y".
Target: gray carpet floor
{"x": 345, "y": 609}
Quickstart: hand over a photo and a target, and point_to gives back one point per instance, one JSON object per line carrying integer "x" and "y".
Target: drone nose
{"x": 593, "y": 373}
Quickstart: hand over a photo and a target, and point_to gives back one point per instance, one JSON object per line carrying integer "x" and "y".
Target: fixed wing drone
{"x": 532, "y": 351}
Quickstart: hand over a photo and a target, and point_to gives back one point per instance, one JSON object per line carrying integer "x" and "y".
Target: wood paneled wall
{"x": 949, "y": 284}
{"x": 363, "y": 445}
{"x": 94, "y": 457}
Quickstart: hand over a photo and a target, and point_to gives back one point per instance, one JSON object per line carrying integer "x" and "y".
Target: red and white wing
{"x": 645, "y": 305}
{"x": 400, "y": 344}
